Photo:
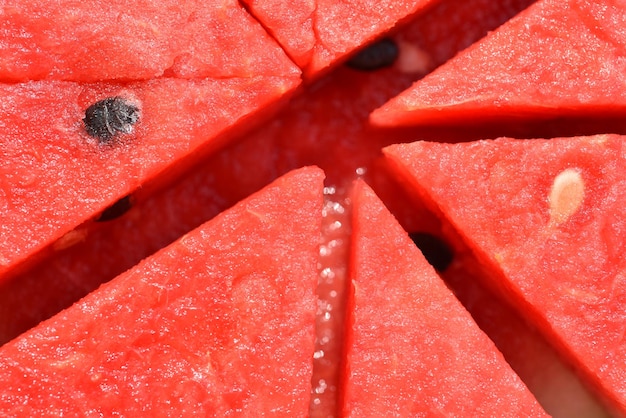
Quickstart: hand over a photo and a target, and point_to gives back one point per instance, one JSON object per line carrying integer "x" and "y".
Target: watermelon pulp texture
{"x": 148, "y": 341}
{"x": 140, "y": 40}
{"x": 341, "y": 148}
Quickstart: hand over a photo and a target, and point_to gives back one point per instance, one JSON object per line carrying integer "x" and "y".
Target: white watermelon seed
{"x": 566, "y": 195}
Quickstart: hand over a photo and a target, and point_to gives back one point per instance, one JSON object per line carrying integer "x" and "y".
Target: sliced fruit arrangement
{"x": 411, "y": 347}
{"x": 555, "y": 59}
{"x": 545, "y": 221}
{"x": 142, "y": 208}
{"x": 221, "y": 322}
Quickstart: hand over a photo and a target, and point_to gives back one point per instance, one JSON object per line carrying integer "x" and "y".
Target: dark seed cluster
{"x": 376, "y": 56}
{"x": 109, "y": 117}
{"x": 435, "y": 251}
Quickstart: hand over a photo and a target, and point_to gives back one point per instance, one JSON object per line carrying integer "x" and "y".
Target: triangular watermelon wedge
{"x": 219, "y": 323}
{"x": 545, "y": 220}
{"x": 557, "y": 58}
{"x": 317, "y": 34}
{"x": 137, "y": 40}
{"x": 411, "y": 347}
{"x": 56, "y": 175}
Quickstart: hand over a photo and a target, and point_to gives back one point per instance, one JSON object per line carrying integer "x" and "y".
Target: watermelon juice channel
{"x": 327, "y": 125}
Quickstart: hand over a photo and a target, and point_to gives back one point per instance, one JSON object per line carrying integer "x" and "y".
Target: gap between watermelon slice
{"x": 219, "y": 323}
{"x": 549, "y": 242}
{"x": 553, "y": 383}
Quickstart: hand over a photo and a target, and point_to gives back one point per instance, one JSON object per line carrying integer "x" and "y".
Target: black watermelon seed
{"x": 378, "y": 55}
{"x": 116, "y": 210}
{"x": 436, "y": 252}
{"x": 109, "y": 117}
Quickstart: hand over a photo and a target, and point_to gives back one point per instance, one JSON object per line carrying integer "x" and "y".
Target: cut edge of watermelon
{"x": 402, "y": 111}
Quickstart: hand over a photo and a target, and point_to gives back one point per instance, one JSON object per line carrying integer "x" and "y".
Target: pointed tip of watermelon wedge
{"x": 524, "y": 71}
{"x": 319, "y": 35}
{"x": 402, "y": 319}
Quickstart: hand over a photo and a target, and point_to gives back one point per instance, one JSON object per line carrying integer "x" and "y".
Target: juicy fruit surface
{"x": 411, "y": 348}
{"x": 230, "y": 329}
{"x": 326, "y": 125}
{"x": 137, "y": 40}
{"x": 555, "y": 58}
{"x": 553, "y": 229}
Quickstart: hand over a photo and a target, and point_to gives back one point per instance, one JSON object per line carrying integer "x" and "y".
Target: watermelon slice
{"x": 412, "y": 349}
{"x": 58, "y": 176}
{"x": 557, "y": 58}
{"x": 219, "y": 323}
{"x": 136, "y": 40}
{"x": 550, "y": 238}
{"x": 318, "y": 33}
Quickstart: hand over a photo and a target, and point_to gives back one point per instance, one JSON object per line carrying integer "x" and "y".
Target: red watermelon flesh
{"x": 58, "y": 176}
{"x": 317, "y": 34}
{"x": 556, "y": 58}
{"x": 141, "y": 39}
{"x": 339, "y": 105}
{"x": 411, "y": 347}
{"x": 219, "y": 323}
{"x": 550, "y": 240}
